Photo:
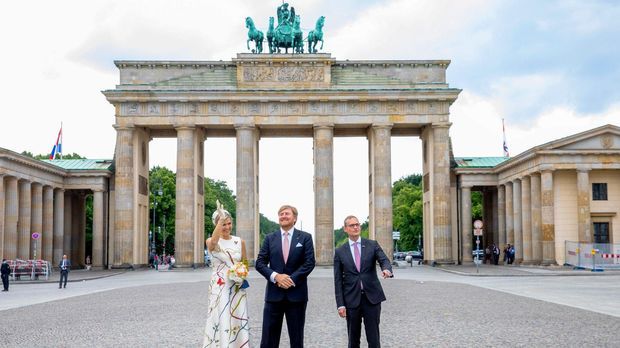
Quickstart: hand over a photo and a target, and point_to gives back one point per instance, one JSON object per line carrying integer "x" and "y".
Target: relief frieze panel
{"x": 284, "y": 74}
{"x": 284, "y": 108}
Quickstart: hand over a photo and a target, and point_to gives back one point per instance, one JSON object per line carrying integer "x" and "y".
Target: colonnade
{"x": 131, "y": 226}
{"x": 524, "y": 211}
{"x": 57, "y": 215}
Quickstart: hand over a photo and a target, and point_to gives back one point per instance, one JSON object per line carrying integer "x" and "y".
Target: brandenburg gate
{"x": 277, "y": 95}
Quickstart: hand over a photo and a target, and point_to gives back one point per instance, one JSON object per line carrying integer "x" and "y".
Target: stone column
{"x": 11, "y": 209}
{"x": 536, "y": 219}
{"x": 381, "y": 186}
{"x": 526, "y": 218}
{"x": 583, "y": 206}
{"x": 59, "y": 225}
{"x": 199, "y": 200}
{"x": 510, "y": 228}
{"x": 25, "y": 216}
{"x": 547, "y": 217}
{"x": 466, "y": 224}
{"x": 78, "y": 231}
{"x": 494, "y": 220}
{"x": 518, "y": 228}
{"x": 67, "y": 242}
{"x": 324, "y": 193}
{"x": 36, "y": 221}
{"x": 124, "y": 197}
{"x": 97, "y": 257}
{"x": 442, "y": 230}
{"x": 185, "y": 196}
{"x": 501, "y": 216}
{"x": 247, "y": 200}
{"x": 2, "y": 198}
{"x": 47, "y": 240}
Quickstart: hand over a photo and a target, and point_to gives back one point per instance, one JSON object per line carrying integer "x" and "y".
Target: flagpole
{"x": 60, "y": 139}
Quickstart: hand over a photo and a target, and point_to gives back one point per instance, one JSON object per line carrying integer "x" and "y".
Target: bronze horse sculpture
{"x": 316, "y": 35}
{"x": 254, "y": 35}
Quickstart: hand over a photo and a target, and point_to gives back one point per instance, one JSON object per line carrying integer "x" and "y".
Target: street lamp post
{"x": 160, "y": 193}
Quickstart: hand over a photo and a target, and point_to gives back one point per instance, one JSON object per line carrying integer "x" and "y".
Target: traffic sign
{"x": 477, "y": 231}
{"x": 35, "y": 235}
{"x": 478, "y": 224}
{"x": 396, "y": 235}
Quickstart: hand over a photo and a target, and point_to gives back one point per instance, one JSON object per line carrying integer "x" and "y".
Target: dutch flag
{"x": 57, "y": 149}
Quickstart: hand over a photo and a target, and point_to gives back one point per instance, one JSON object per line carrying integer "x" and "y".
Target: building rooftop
{"x": 478, "y": 162}
{"x": 81, "y": 164}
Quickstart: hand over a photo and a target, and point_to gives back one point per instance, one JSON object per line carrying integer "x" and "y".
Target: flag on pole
{"x": 506, "y": 153}
{"x": 57, "y": 149}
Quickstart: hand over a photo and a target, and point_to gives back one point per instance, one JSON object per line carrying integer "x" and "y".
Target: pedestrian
{"x": 88, "y": 263}
{"x": 511, "y": 251}
{"x": 65, "y": 266}
{"x": 487, "y": 254}
{"x": 358, "y": 290}
{"x": 495, "y": 254}
{"x": 285, "y": 259}
{"x": 156, "y": 262}
{"x": 5, "y": 270}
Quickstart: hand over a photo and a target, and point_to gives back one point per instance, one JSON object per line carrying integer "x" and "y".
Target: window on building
{"x": 601, "y": 232}
{"x": 599, "y": 191}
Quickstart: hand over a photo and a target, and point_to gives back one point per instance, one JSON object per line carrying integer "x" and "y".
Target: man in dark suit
{"x": 358, "y": 291}
{"x": 64, "y": 265}
{"x": 5, "y": 270}
{"x": 286, "y": 258}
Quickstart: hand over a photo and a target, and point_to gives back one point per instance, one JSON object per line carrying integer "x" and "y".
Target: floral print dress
{"x": 227, "y": 317}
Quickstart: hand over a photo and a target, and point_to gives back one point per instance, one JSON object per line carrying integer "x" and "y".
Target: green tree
{"x": 165, "y": 209}
{"x": 217, "y": 190}
{"x": 407, "y": 211}
{"x": 476, "y": 205}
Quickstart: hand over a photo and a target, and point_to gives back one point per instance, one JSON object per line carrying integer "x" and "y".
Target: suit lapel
{"x": 363, "y": 252}
{"x": 293, "y": 242}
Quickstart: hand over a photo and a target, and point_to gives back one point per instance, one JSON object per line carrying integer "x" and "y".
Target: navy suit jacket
{"x": 68, "y": 265}
{"x": 298, "y": 266}
{"x": 347, "y": 278}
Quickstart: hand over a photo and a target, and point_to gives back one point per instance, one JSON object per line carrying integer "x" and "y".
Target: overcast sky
{"x": 550, "y": 68}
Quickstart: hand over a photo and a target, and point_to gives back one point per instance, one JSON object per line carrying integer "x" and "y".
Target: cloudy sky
{"x": 549, "y": 68}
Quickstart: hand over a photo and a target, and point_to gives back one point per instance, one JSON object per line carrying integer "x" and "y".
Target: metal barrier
{"x": 29, "y": 268}
{"x": 593, "y": 256}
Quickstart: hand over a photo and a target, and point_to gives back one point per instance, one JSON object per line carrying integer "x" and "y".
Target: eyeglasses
{"x": 354, "y": 225}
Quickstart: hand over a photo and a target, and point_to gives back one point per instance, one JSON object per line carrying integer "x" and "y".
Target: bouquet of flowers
{"x": 238, "y": 274}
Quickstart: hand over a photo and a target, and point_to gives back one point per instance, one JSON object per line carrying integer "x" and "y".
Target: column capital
{"x": 120, "y": 127}
{"x": 467, "y": 186}
{"x": 582, "y": 168}
{"x": 23, "y": 181}
{"x": 179, "y": 127}
{"x": 249, "y": 126}
{"x": 441, "y": 125}
{"x": 323, "y": 125}
{"x": 382, "y": 125}
{"x": 59, "y": 189}
{"x": 546, "y": 168}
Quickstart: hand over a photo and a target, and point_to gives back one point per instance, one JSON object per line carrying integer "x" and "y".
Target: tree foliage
{"x": 407, "y": 209}
{"x": 47, "y": 156}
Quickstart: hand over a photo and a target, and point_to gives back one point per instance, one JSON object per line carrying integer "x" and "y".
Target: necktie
{"x": 356, "y": 252}
{"x": 285, "y": 247}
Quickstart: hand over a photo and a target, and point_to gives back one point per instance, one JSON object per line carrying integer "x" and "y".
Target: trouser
{"x": 5, "y": 281}
{"x": 273, "y": 313}
{"x": 371, "y": 314}
{"x": 63, "y": 274}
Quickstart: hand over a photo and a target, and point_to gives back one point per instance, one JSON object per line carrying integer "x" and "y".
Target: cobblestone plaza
{"x": 509, "y": 306}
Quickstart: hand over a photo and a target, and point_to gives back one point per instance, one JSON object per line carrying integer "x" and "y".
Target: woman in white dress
{"x": 227, "y": 317}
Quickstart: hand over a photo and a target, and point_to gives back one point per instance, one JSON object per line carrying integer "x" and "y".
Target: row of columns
{"x": 189, "y": 224}
{"x": 525, "y": 216}
{"x": 27, "y": 207}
